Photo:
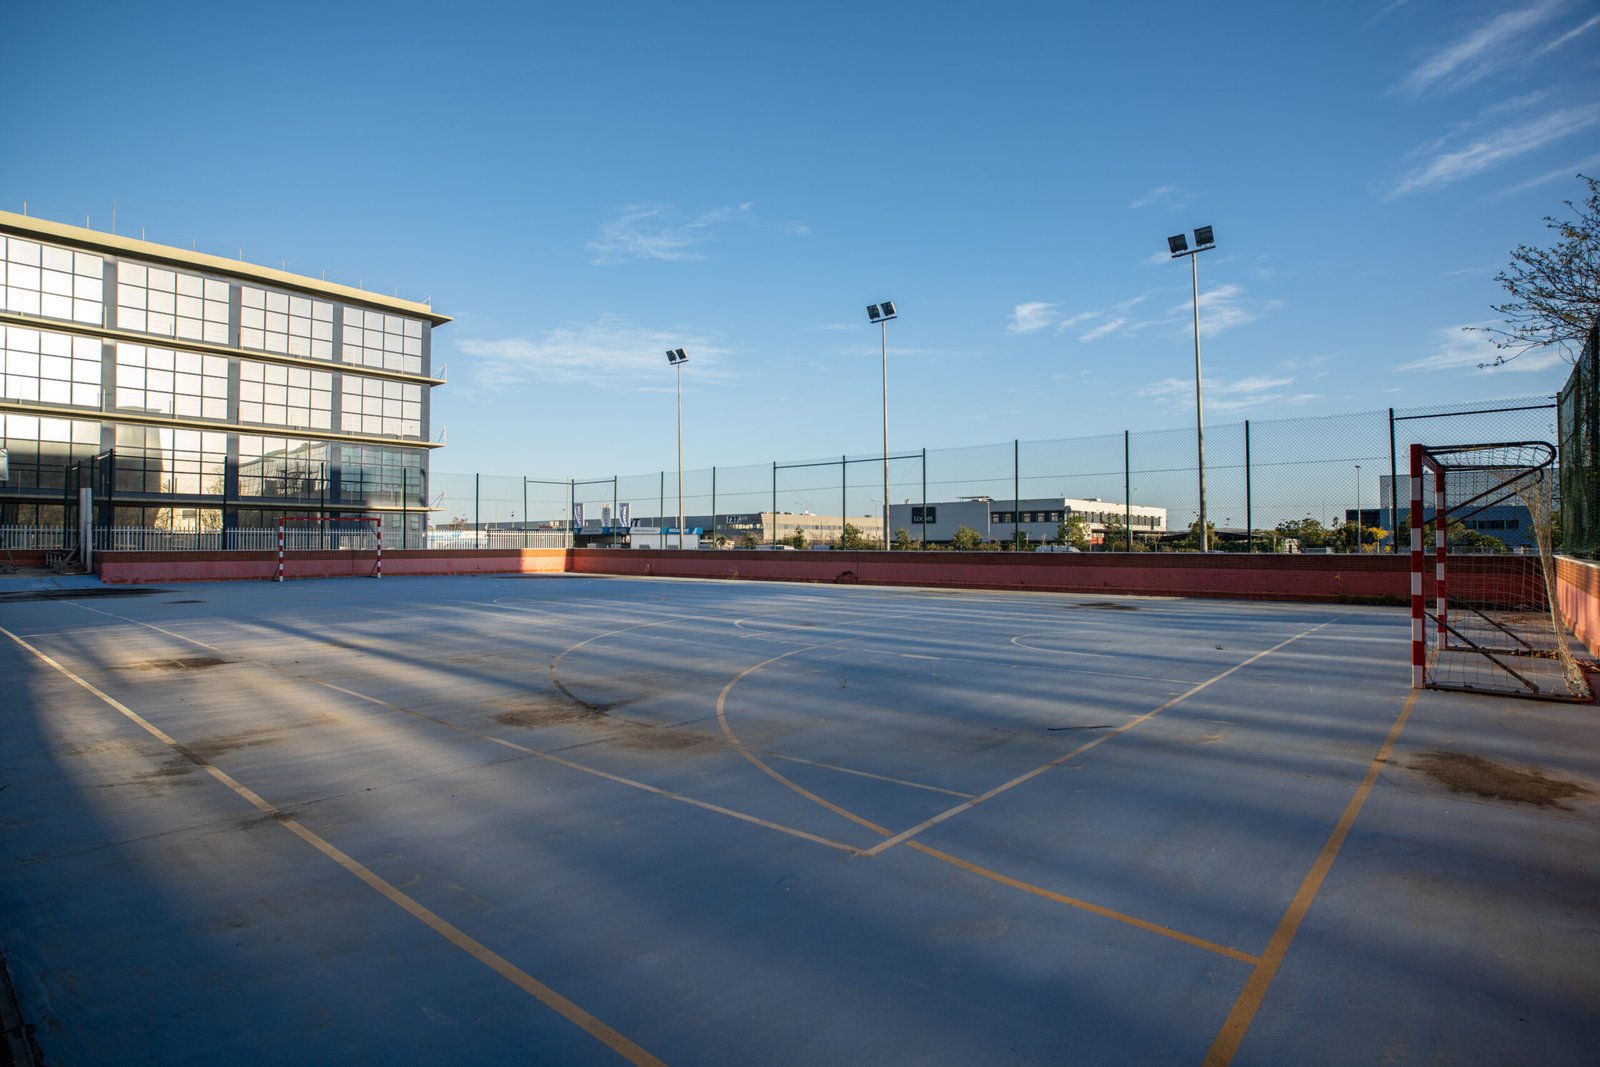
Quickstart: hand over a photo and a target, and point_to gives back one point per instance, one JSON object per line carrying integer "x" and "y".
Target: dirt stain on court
{"x": 177, "y": 663}
{"x": 541, "y": 712}
{"x": 1461, "y": 773}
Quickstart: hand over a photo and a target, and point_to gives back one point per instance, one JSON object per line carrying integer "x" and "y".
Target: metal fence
{"x": 1261, "y": 475}
{"x": 1580, "y": 453}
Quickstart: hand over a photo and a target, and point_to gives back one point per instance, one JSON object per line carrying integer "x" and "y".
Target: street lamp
{"x": 1178, "y": 245}
{"x": 676, "y": 357}
{"x": 882, "y": 313}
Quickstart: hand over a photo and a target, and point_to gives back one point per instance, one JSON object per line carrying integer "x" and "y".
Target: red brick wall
{"x": 144, "y": 567}
{"x": 1578, "y": 593}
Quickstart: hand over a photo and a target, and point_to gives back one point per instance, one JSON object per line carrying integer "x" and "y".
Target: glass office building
{"x": 195, "y": 392}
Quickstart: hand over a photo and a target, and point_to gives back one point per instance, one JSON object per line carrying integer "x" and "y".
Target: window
{"x": 39, "y": 450}
{"x": 283, "y": 467}
{"x": 378, "y": 475}
{"x": 56, "y": 283}
{"x": 380, "y": 407}
{"x": 49, "y": 368}
{"x": 163, "y": 381}
{"x": 388, "y": 342}
{"x": 271, "y": 321}
{"x": 154, "y": 459}
{"x": 171, "y": 303}
{"x": 285, "y": 396}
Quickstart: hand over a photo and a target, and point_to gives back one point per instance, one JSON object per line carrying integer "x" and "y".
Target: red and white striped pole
{"x": 1441, "y": 602}
{"x": 378, "y": 573}
{"x": 279, "y": 577}
{"x": 1418, "y": 650}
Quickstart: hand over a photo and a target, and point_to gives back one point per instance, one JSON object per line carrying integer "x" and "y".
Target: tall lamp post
{"x": 1178, "y": 245}
{"x": 881, "y": 314}
{"x": 676, "y": 357}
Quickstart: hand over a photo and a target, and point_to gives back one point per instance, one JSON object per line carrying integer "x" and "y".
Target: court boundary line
{"x": 1253, "y": 995}
{"x": 1028, "y": 776}
{"x": 591, "y": 1024}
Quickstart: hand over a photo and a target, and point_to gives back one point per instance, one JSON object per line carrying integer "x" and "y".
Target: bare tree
{"x": 1555, "y": 291}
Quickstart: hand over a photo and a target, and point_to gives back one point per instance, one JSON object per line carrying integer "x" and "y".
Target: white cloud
{"x": 1460, "y": 348}
{"x": 653, "y": 231}
{"x": 1227, "y": 397}
{"x": 1110, "y": 326}
{"x": 1559, "y": 174}
{"x": 1576, "y": 31}
{"x": 1166, "y": 196}
{"x": 1035, "y": 315}
{"x": 1223, "y": 308}
{"x": 1482, "y": 51}
{"x": 1496, "y": 147}
{"x": 611, "y": 354}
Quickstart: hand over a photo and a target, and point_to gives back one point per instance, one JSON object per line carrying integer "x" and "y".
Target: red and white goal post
{"x": 361, "y": 535}
{"x": 1484, "y": 616}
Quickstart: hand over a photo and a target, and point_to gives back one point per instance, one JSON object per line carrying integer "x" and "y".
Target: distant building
{"x": 1500, "y": 515}
{"x": 766, "y": 527}
{"x": 1038, "y": 519}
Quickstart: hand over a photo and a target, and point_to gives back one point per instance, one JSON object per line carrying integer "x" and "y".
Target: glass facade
{"x": 52, "y": 282}
{"x": 238, "y": 408}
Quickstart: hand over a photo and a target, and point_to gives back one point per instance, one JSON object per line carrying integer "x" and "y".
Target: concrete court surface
{"x": 579, "y": 820}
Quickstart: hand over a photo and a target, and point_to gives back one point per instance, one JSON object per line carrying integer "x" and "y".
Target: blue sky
{"x": 584, "y": 186}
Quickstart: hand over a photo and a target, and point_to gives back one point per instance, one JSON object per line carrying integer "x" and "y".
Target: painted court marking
{"x": 611, "y": 1038}
{"x": 1255, "y": 989}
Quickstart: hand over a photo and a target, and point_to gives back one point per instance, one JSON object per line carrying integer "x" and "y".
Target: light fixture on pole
{"x": 676, "y": 357}
{"x": 881, "y": 314}
{"x": 1178, "y": 245}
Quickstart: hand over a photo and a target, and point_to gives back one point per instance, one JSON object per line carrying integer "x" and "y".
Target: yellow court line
{"x": 1244, "y": 1010}
{"x": 1028, "y": 776}
{"x": 1095, "y": 909}
{"x": 612, "y": 1039}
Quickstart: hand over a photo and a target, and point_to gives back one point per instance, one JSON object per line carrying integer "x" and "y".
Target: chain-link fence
{"x": 1580, "y": 453}
{"x": 1334, "y": 482}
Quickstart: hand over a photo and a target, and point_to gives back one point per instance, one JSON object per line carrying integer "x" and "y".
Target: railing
{"x": 37, "y": 538}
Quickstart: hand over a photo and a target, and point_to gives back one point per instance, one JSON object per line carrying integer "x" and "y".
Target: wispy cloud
{"x": 1230, "y": 396}
{"x": 1032, "y": 316}
{"x": 1460, "y": 348}
{"x": 1166, "y": 196}
{"x": 1576, "y": 31}
{"x": 1105, "y": 329}
{"x": 611, "y": 354}
{"x": 1480, "y": 52}
{"x": 1452, "y": 164}
{"x": 654, "y": 231}
{"x": 1559, "y": 174}
{"x": 1223, "y": 308}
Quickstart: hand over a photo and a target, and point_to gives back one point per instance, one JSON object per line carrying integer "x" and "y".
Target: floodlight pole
{"x": 679, "y": 367}
{"x": 1358, "y": 507}
{"x": 885, "y": 325}
{"x": 1178, "y": 247}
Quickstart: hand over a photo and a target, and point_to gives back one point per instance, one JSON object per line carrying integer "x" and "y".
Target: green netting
{"x": 1579, "y": 421}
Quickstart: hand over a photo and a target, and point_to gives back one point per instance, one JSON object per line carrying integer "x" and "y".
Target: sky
{"x": 584, "y": 186}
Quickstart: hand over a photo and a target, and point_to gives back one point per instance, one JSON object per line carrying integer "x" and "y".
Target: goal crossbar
{"x": 375, "y": 522}
{"x": 1492, "y": 625}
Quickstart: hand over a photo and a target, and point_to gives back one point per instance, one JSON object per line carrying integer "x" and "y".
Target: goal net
{"x": 358, "y": 536}
{"x": 1484, "y": 617}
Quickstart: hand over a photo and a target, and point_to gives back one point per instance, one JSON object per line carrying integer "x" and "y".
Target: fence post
{"x": 572, "y": 492}
{"x": 1394, "y": 497}
{"x": 477, "y": 525}
{"x": 661, "y": 513}
{"x": 1016, "y": 494}
{"x": 524, "y": 511}
{"x": 924, "y": 497}
{"x": 713, "y": 505}
{"x": 844, "y": 496}
{"x": 405, "y": 507}
{"x": 774, "y": 501}
{"x": 1249, "y": 521}
{"x": 1127, "y": 490}
{"x": 614, "y": 516}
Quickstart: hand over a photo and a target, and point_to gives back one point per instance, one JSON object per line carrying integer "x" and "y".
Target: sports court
{"x": 566, "y": 819}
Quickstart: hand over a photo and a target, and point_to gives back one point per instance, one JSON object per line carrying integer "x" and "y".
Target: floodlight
{"x": 1203, "y": 237}
{"x": 873, "y": 315}
{"x": 888, "y": 309}
{"x": 676, "y": 356}
{"x": 1177, "y": 244}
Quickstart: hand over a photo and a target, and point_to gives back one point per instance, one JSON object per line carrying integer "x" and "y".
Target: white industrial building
{"x": 1038, "y": 519}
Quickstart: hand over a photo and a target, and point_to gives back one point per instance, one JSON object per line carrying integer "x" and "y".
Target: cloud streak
{"x": 1464, "y": 348}
{"x": 1231, "y": 396}
{"x": 1168, "y": 196}
{"x": 1031, "y": 317}
{"x": 1479, "y": 53}
{"x": 653, "y": 231}
{"x": 1448, "y": 166}
{"x": 611, "y": 354}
